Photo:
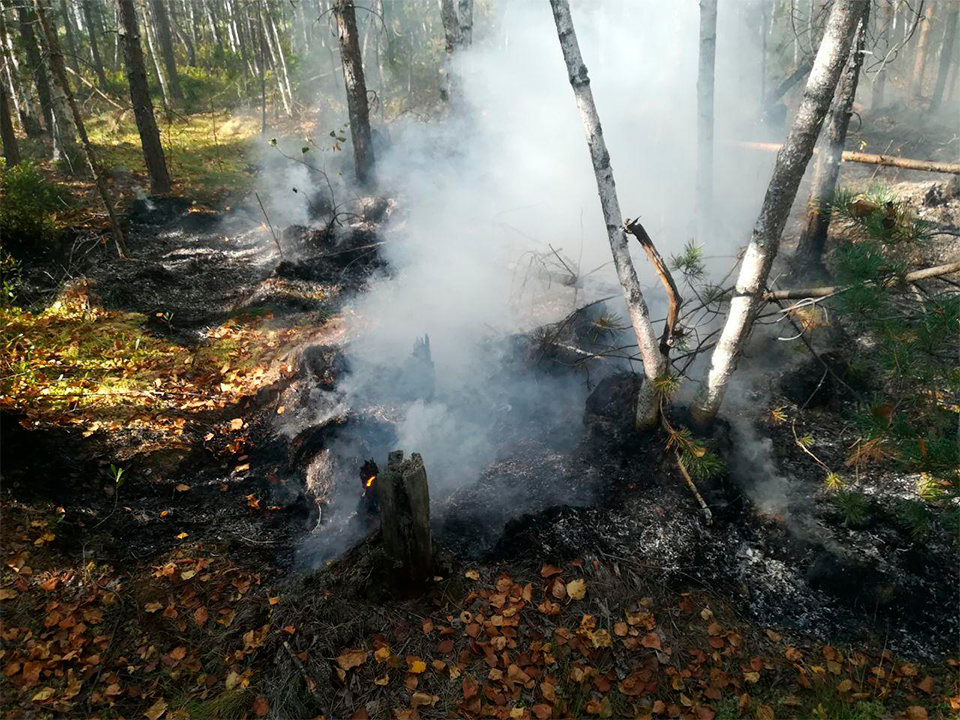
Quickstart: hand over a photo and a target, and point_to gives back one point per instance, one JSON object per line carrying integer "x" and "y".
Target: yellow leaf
{"x": 382, "y": 654}
{"x": 273, "y": 600}
{"x": 752, "y": 676}
{"x": 187, "y": 574}
{"x": 382, "y": 681}
{"x": 181, "y": 487}
{"x": 232, "y": 680}
{"x": 8, "y": 594}
{"x": 181, "y": 536}
{"x": 472, "y": 574}
{"x": 152, "y": 607}
{"x": 577, "y": 589}
{"x": 415, "y": 665}
{"x": 236, "y": 423}
{"x": 44, "y": 694}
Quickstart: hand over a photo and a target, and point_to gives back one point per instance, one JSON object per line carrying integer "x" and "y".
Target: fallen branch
{"x": 307, "y": 679}
{"x": 673, "y": 294}
{"x": 871, "y": 159}
{"x": 97, "y": 90}
{"x": 800, "y": 293}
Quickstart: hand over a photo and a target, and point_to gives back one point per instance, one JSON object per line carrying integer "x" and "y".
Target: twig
{"x": 307, "y": 679}
{"x": 269, "y": 224}
{"x": 708, "y": 516}
{"x": 924, "y": 274}
{"x": 669, "y": 330}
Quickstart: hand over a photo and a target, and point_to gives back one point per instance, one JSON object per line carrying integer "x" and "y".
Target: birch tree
{"x": 791, "y": 162}
{"x": 705, "y": 85}
{"x": 59, "y": 72}
{"x": 654, "y": 364}
{"x": 946, "y": 56}
{"x": 11, "y": 150}
{"x": 808, "y": 259}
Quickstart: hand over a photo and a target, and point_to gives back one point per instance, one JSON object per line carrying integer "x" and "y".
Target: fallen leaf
{"x": 236, "y": 423}
{"x": 181, "y": 536}
{"x": 8, "y": 594}
{"x": 352, "y": 658}
{"x": 472, "y": 574}
{"x": 915, "y": 712}
{"x": 577, "y": 589}
{"x": 261, "y": 707}
{"x": 751, "y": 677}
{"x": 182, "y": 488}
{"x": 382, "y": 654}
{"x": 651, "y": 640}
{"x": 156, "y": 710}
{"x": 548, "y": 570}
{"x": 44, "y": 694}
{"x": 415, "y": 665}
{"x": 926, "y": 685}
{"x": 422, "y": 699}
{"x": 200, "y": 616}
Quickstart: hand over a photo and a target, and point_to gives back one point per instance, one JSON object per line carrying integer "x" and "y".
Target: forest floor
{"x": 152, "y": 508}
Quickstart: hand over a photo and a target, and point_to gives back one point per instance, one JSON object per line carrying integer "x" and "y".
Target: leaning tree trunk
{"x": 60, "y": 76}
{"x": 165, "y": 38}
{"x": 808, "y": 259}
{"x": 791, "y": 162}
{"x": 920, "y": 57}
{"x": 66, "y": 151}
{"x": 705, "y": 83}
{"x": 654, "y": 363}
{"x": 35, "y": 66}
{"x": 946, "y": 57}
{"x": 153, "y": 156}
{"x": 356, "y": 87}
{"x": 11, "y": 150}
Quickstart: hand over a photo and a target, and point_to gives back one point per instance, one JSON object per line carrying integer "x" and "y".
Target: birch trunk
{"x": 705, "y": 85}
{"x": 155, "y": 59}
{"x": 353, "y": 80}
{"x": 465, "y": 13}
{"x": 153, "y": 156}
{"x": 165, "y": 36}
{"x": 60, "y": 76}
{"x": 791, "y": 162}
{"x": 68, "y": 34}
{"x": 283, "y": 76}
{"x": 66, "y": 152}
{"x": 35, "y": 63}
{"x": 883, "y": 41}
{"x": 808, "y": 259}
{"x": 654, "y": 364}
{"x": 25, "y": 107}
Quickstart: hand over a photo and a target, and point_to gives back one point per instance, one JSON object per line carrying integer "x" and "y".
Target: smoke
{"x": 486, "y": 191}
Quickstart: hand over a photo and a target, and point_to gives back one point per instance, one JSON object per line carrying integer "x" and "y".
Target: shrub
{"x": 28, "y": 203}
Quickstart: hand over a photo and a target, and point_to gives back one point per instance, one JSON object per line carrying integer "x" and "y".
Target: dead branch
{"x": 800, "y": 293}
{"x": 97, "y": 90}
{"x": 269, "y": 224}
{"x": 708, "y": 516}
{"x": 307, "y": 679}
{"x": 871, "y": 159}
{"x": 670, "y": 329}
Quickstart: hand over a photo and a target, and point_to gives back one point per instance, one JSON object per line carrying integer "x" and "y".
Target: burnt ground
{"x": 186, "y": 585}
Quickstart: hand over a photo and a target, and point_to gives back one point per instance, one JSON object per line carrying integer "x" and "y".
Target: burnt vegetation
{"x": 337, "y": 380}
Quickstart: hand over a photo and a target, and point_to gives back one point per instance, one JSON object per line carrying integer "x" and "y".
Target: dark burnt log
{"x": 404, "y": 500}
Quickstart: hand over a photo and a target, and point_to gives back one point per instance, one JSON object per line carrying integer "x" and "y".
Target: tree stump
{"x": 404, "y": 499}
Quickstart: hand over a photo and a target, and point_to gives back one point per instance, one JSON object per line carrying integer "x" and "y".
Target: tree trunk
{"x": 654, "y": 364}
{"x": 140, "y": 98}
{"x": 808, "y": 259}
{"x": 154, "y": 58}
{"x": 94, "y": 45}
{"x": 165, "y": 38}
{"x": 787, "y": 173}
{"x": 283, "y": 78}
{"x": 449, "y": 84}
{"x": 183, "y": 36}
{"x": 71, "y": 40}
{"x": 66, "y": 152}
{"x": 11, "y": 151}
{"x": 465, "y": 13}
{"x": 705, "y": 84}
{"x": 882, "y": 41}
{"x": 920, "y": 58}
{"x": 35, "y": 63}
{"x": 60, "y": 76}
{"x": 262, "y": 70}
{"x": 356, "y": 86}
{"x": 946, "y": 57}
{"x": 26, "y": 109}
{"x": 403, "y": 496}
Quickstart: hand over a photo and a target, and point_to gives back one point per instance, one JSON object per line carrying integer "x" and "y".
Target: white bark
{"x": 654, "y": 364}
{"x": 791, "y": 162}
{"x": 705, "y": 84}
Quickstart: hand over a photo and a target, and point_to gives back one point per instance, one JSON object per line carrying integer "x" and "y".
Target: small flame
{"x": 370, "y": 480}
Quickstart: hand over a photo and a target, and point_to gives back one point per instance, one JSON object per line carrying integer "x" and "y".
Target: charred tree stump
{"x": 404, "y": 500}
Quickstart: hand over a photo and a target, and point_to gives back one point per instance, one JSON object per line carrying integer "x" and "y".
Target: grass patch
{"x": 209, "y": 155}
{"x": 78, "y": 364}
